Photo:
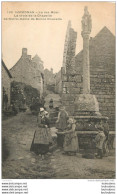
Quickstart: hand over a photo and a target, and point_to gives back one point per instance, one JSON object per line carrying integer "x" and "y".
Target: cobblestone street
{"x": 22, "y": 164}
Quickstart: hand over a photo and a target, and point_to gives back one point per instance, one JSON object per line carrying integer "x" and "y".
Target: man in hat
{"x": 51, "y": 103}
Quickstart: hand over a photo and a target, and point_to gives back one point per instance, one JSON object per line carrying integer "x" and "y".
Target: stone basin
{"x": 89, "y": 123}
{"x": 85, "y": 139}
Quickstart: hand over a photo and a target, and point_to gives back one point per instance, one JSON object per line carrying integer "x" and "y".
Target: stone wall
{"x": 73, "y": 86}
{"x": 6, "y": 83}
{"x": 71, "y": 50}
{"x": 103, "y": 86}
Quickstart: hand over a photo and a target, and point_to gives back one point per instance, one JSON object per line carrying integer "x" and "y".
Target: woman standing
{"x": 40, "y": 143}
{"x": 62, "y": 119}
{"x": 71, "y": 140}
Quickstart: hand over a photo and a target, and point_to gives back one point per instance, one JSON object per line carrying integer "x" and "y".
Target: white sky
{"x": 46, "y": 38}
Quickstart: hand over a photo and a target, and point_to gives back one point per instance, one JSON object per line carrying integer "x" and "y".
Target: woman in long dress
{"x": 62, "y": 119}
{"x": 40, "y": 143}
{"x": 71, "y": 140}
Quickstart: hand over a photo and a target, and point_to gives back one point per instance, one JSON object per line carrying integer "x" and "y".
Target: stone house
{"x": 49, "y": 79}
{"x": 29, "y": 71}
{"x": 6, "y": 82}
{"x": 36, "y": 59}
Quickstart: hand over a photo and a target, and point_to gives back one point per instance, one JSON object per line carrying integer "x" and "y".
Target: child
{"x": 71, "y": 140}
{"x": 106, "y": 146}
{"x": 99, "y": 141}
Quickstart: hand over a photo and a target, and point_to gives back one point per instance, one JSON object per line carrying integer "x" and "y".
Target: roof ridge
{"x": 8, "y": 72}
{"x": 102, "y": 30}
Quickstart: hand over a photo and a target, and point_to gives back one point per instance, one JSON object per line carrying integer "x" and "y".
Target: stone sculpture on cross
{"x": 86, "y": 21}
{"x": 86, "y": 103}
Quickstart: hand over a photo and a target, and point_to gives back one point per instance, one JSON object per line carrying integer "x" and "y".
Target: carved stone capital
{"x": 85, "y": 34}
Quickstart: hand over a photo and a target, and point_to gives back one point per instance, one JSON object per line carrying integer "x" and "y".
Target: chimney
{"x": 24, "y": 52}
{"x": 52, "y": 70}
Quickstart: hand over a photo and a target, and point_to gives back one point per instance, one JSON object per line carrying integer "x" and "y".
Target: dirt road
{"x": 22, "y": 164}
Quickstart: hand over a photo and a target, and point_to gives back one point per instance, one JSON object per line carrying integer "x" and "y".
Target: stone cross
{"x": 86, "y": 30}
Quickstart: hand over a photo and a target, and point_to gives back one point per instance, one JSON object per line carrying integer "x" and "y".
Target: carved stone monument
{"x": 68, "y": 69}
{"x": 86, "y": 103}
{"x": 76, "y": 96}
{"x": 86, "y": 108}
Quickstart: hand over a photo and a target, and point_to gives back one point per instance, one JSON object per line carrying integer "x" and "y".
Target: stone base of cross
{"x": 86, "y": 104}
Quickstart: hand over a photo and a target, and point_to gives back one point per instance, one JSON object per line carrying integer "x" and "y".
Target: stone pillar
{"x": 66, "y": 46}
{"x": 86, "y": 30}
{"x": 86, "y": 67}
{"x": 86, "y": 103}
{"x": 86, "y": 107}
